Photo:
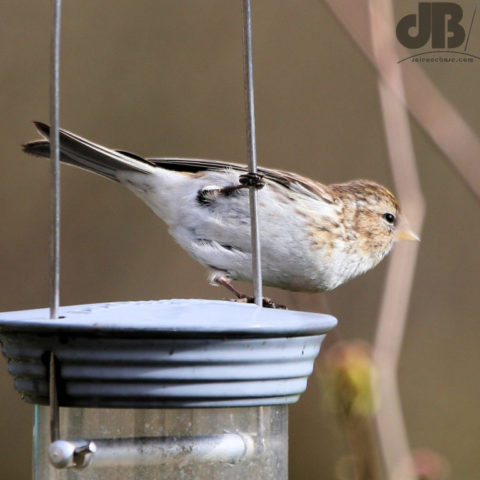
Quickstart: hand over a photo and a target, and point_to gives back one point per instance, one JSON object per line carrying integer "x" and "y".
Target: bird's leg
{"x": 241, "y": 297}
{"x": 221, "y": 280}
{"x": 206, "y": 194}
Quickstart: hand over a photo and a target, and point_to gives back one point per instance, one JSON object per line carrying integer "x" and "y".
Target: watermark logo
{"x": 437, "y": 25}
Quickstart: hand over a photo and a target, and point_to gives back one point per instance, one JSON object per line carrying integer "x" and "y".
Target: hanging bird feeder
{"x": 168, "y": 389}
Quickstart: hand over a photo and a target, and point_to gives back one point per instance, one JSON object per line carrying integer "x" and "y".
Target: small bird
{"x": 314, "y": 237}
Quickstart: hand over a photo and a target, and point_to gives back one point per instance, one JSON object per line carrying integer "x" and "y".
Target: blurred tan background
{"x": 165, "y": 78}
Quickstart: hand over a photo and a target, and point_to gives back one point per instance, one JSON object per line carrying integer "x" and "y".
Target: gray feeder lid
{"x": 168, "y": 353}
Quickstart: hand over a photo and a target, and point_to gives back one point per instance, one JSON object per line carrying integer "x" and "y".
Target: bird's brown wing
{"x": 289, "y": 180}
{"x": 83, "y": 153}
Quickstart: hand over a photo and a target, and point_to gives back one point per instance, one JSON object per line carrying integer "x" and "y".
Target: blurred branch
{"x": 403, "y": 86}
{"x": 396, "y": 296}
{"x": 350, "y": 378}
{"x": 440, "y": 120}
{"x": 372, "y": 26}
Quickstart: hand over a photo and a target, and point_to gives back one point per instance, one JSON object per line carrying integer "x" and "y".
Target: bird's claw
{"x": 251, "y": 179}
{"x": 267, "y": 302}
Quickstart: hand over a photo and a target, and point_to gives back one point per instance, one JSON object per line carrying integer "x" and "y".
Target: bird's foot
{"x": 251, "y": 179}
{"x": 266, "y": 302}
{"x": 241, "y": 297}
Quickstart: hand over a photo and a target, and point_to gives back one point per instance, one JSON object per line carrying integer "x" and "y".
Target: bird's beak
{"x": 404, "y": 232}
{"x": 407, "y": 235}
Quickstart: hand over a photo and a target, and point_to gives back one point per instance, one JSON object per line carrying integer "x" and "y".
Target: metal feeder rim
{"x": 169, "y": 319}
{"x": 167, "y": 353}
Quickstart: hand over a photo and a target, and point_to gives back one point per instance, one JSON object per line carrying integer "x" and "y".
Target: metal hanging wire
{"x": 252, "y": 150}
{"x": 55, "y": 162}
{"x": 55, "y": 205}
{"x": 55, "y": 156}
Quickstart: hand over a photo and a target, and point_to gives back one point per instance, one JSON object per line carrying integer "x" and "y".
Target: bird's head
{"x": 374, "y": 215}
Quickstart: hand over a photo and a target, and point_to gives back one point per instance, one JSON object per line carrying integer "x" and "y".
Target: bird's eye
{"x": 390, "y": 218}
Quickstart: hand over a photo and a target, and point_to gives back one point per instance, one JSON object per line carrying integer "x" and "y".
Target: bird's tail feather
{"x": 85, "y": 154}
